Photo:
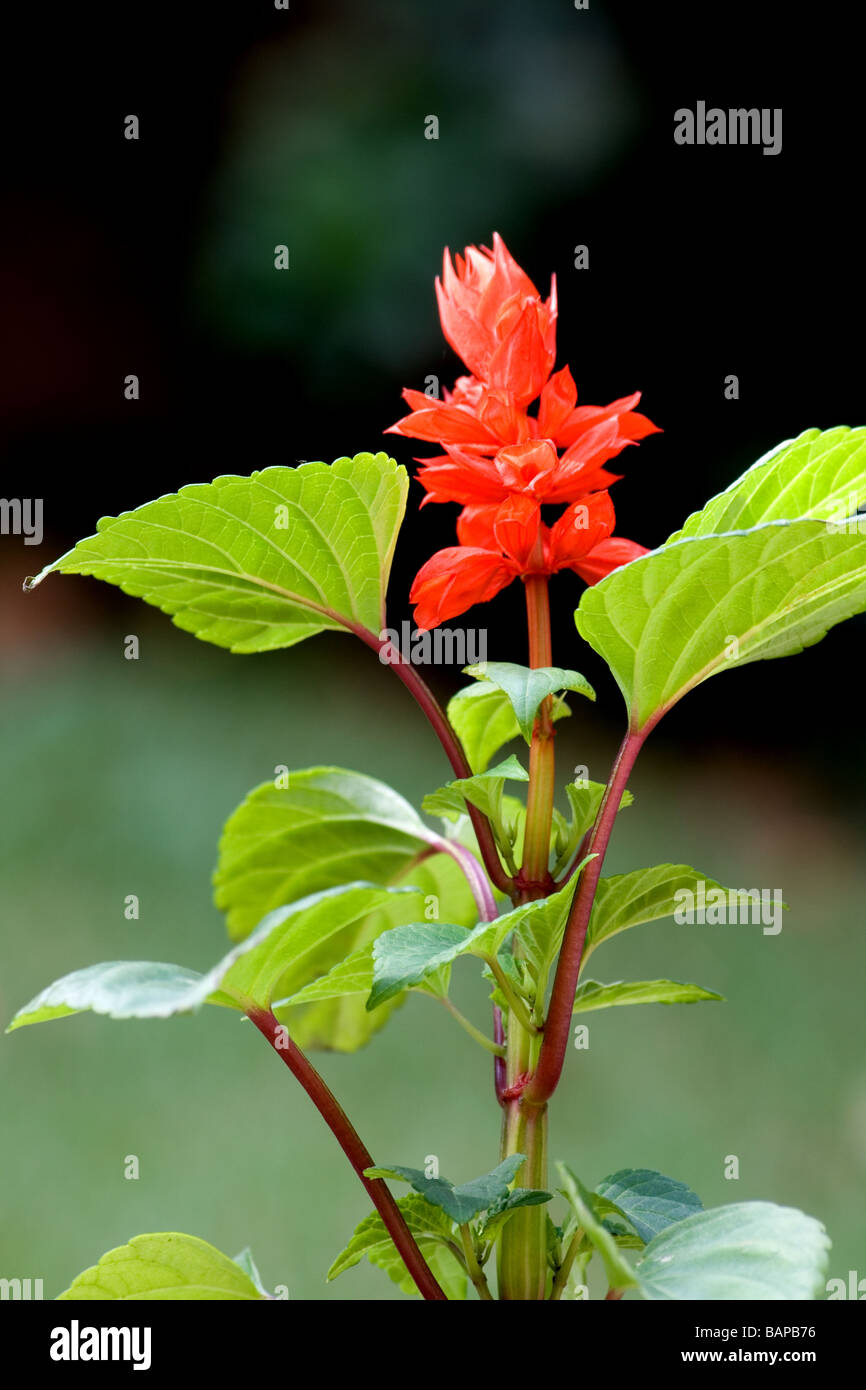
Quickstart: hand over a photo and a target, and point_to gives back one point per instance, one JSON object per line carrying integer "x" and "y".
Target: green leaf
{"x": 671, "y": 619}
{"x": 526, "y": 687}
{"x": 249, "y": 974}
{"x": 483, "y": 718}
{"x": 409, "y": 954}
{"x": 592, "y": 995}
{"x": 484, "y": 790}
{"x": 442, "y": 1262}
{"x": 254, "y": 563}
{"x": 463, "y": 1202}
{"x": 585, "y": 801}
{"x": 329, "y": 1011}
{"x": 751, "y": 1250}
{"x": 164, "y": 1266}
{"x": 644, "y": 895}
{"x": 819, "y": 475}
{"x": 501, "y": 1212}
{"x": 328, "y": 826}
{"x": 649, "y": 1200}
{"x": 246, "y": 1262}
{"x": 424, "y": 1220}
{"x": 619, "y": 1272}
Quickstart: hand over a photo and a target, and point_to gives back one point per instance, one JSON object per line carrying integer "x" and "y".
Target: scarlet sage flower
{"x": 501, "y": 463}
{"x": 505, "y": 541}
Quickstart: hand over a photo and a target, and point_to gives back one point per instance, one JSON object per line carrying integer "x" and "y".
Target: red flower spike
{"x": 502, "y": 464}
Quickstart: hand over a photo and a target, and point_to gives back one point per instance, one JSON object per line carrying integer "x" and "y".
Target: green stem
{"x": 473, "y": 1268}
{"x": 522, "y": 1256}
{"x": 515, "y": 1003}
{"x": 470, "y": 1028}
{"x": 564, "y": 1270}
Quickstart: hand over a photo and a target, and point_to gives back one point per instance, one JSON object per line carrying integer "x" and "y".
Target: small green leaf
{"x": 751, "y": 1250}
{"x": 593, "y": 995}
{"x": 246, "y": 1262}
{"x": 500, "y": 1212}
{"x": 326, "y": 1006}
{"x": 526, "y": 687}
{"x": 483, "y": 790}
{"x": 463, "y": 1202}
{"x": 644, "y": 895}
{"x": 423, "y": 1219}
{"x": 409, "y": 954}
{"x": 249, "y": 974}
{"x": 649, "y": 1200}
{"x": 585, "y": 801}
{"x": 259, "y": 562}
{"x": 619, "y": 1272}
{"x": 164, "y": 1266}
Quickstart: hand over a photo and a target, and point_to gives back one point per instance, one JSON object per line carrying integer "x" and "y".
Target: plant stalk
{"x": 347, "y": 1137}
{"x": 557, "y": 1027}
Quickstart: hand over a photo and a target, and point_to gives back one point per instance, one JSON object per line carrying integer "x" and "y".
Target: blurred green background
{"x": 119, "y": 775}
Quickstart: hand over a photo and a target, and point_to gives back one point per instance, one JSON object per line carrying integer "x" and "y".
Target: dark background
{"x": 155, "y": 257}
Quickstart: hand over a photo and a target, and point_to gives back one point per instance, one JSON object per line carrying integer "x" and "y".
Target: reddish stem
{"x": 557, "y": 1026}
{"x": 341, "y": 1127}
{"x": 418, "y": 688}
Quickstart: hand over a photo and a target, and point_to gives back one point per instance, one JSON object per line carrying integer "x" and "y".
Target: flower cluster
{"x": 503, "y": 464}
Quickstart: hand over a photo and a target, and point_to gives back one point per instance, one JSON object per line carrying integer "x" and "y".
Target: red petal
{"x": 453, "y": 580}
{"x": 580, "y": 529}
{"x": 608, "y": 555}
{"x": 517, "y": 528}
{"x": 558, "y": 400}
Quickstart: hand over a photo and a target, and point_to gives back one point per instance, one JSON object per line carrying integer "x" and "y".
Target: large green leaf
{"x": 260, "y": 562}
{"x": 818, "y": 475}
{"x": 593, "y": 995}
{"x": 164, "y": 1266}
{"x": 250, "y": 974}
{"x": 328, "y": 826}
{"x": 649, "y": 1200}
{"x": 643, "y": 895}
{"x": 434, "y": 1233}
{"x": 751, "y": 1250}
{"x": 671, "y": 619}
{"x": 527, "y": 686}
{"x": 463, "y": 1202}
